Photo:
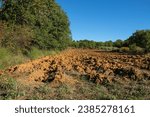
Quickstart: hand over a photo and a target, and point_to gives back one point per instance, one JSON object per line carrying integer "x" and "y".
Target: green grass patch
{"x": 7, "y": 58}
{"x": 134, "y": 90}
{"x": 37, "y": 53}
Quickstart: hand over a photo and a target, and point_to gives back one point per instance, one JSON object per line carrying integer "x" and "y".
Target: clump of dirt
{"x": 96, "y": 66}
{"x": 1, "y": 72}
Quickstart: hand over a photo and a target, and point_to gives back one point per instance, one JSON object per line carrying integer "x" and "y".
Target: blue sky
{"x": 103, "y": 20}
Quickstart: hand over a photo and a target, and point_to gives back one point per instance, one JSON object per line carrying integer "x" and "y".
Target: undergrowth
{"x": 10, "y": 89}
{"x": 37, "y": 53}
{"x": 8, "y": 58}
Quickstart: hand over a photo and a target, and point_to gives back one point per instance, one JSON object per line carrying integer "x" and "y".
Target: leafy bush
{"x": 124, "y": 49}
{"x": 136, "y": 49}
{"x": 118, "y": 43}
{"x": 141, "y": 38}
{"x": 9, "y": 88}
{"x": 108, "y": 43}
{"x": 106, "y": 48}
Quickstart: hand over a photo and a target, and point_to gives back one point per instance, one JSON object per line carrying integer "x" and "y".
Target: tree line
{"x": 138, "y": 42}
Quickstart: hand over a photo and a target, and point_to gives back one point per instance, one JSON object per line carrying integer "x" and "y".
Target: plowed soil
{"x": 74, "y": 65}
{"x": 97, "y": 66}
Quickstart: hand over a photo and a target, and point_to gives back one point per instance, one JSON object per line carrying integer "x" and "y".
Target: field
{"x": 79, "y": 74}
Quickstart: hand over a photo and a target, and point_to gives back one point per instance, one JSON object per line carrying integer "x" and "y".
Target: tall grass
{"x": 7, "y": 58}
{"x": 37, "y": 53}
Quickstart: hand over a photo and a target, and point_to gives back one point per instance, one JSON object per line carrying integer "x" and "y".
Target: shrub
{"x": 118, "y": 43}
{"x": 139, "y": 50}
{"x": 124, "y": 49}
{"x": 106, "y": 48}
{"x": 141, "y": 38}
{"x": 136, "y": 49}
{"x": 9, "y": 88}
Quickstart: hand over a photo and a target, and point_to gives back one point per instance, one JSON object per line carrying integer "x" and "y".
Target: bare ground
{"x": 84, "y": 74}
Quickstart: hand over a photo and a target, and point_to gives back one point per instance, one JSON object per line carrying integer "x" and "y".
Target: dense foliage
{"x": 91, "y": 44}
{"x": 137, "y": 43}
{"x": 140, "y": 39}
{"x": 44, "y": 18}
{"x": 118, "y": 43}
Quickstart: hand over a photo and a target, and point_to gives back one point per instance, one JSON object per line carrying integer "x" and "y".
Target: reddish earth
{"x": 1, "y": 72}
{"x": 94, "y": 65}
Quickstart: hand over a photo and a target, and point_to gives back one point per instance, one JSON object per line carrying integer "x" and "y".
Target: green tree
{"x": 99, "y": 45}
{"x": 46, "y": 18}
{"x": 118, "y": 43}
{"x": 136, "y": 49}
{"x": 141, "y": 38}
{"x": 108, "y": 43}
{"x": 86, "y": 44}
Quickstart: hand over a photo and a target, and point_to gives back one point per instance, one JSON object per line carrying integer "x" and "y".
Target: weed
{"x": 64, "y": 91}
{"x": 43, "y": 89}
{"x": 9, "y": 88}
{"x": 40, "y": 93}
{"x": 128, "y": 91}
{"x": 102, "y": 93}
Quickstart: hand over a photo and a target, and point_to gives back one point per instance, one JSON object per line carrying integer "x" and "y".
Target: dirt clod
{"x": 97, "y": 66}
